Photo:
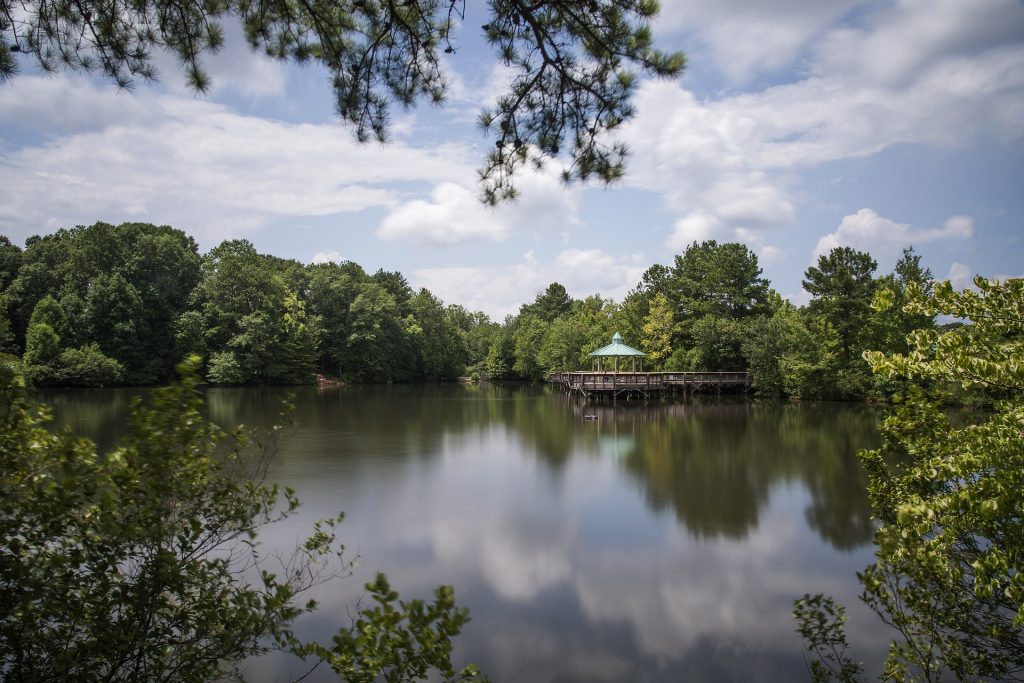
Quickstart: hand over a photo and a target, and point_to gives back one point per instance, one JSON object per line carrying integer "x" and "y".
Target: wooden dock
{"x": 647, "y": 384}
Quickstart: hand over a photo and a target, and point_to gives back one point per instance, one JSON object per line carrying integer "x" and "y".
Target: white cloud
{"x": 202, "y": 167}
{"x": 899, "y": 42}
{"x": 727, "y": 166}
{"x": 694, "y": 227}
{"x": 767, "y": 254}
{"x": 499, "y": 290}
{"x": 42, "y": 103}
{"x": 327, "y": 257}
{"x": 453, "y": 212}
{"x": 745, "y": 38}
{"x": 960, "y": 275}
{"x": 700, "y": 158}
{"x": 884, "y": 238}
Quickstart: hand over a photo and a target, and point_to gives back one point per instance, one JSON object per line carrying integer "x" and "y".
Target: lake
{"x": 660, "y": 541}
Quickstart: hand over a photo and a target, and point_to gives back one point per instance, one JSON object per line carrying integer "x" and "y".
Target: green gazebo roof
{"x": 617, "y": 348}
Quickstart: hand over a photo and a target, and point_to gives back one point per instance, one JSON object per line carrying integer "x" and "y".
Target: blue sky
{"x": 798, "y": 125}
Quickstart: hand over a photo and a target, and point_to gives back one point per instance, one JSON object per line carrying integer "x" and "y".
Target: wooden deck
{"x": 646, "y": 384}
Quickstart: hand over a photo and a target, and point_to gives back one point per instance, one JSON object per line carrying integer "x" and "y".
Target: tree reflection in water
{"x": 659, "y": 541}
{"x": 712, "y": 461}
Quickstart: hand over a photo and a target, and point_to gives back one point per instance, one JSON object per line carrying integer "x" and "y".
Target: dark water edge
{"x": 661, "y": 541}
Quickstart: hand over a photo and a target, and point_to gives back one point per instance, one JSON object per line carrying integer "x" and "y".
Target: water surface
{"x": 591, "y": 542}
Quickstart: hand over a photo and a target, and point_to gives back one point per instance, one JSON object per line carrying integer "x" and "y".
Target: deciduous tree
{"x": 658, "y": 329}
{"x": 141, "y": 564}
{"x": 949, "y": 569}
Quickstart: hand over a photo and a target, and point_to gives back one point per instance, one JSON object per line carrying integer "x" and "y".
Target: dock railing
{"x": 646, "y": 382}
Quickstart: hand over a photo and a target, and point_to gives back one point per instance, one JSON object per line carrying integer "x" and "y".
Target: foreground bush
{"x": 142, "y": 563}
{"x": 949, "y": 569}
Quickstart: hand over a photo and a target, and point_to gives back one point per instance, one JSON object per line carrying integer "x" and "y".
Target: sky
{"x": 797, "y": 126}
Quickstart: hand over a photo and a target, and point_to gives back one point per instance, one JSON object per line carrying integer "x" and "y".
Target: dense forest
{"x": 104, "y": 305}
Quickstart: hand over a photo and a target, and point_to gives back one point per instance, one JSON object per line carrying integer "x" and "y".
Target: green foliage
{"x": 984, "y": 354}
{"x": 949, "y": 570}
{"x": 143, "y": 563}
{"x": 842, "y": 287}
{"x": 48, "y": 311}
{"x": 658, "y": 329}
{"x": 554, "y": 302}
{"x": 7, "y": 344}
{"x": 127, "y": 565}
{"x": 767, "y": 342}
{"x": 526, "y": 340}
{"x": 721, "y": 280}
{"x": 262, "y": 319}
{"x": 43, "y": 341}
{"x": 679, "y": 361}
{"x": 395, "y": 284}
{"x": 716, "y": 344}
{"x": 892, "y": 323}
{"x": 10, "y": 261}
{"x": 810, "y": 369}
{"x": 478, "y": 333}
{"x": 332, "y": 289}
{"x": 439, "y": 343}
{"x": 251, "y": 322}
{"x": 224, "y": 368}
{"x": 235, "y": 283}
{"x": 376, "y": 336}
{"x": 501, "y": 354}
{"x": 299, "y": 341}
{"x": 632, "y": 314}
{"x": 122, "y": 287}
{"x": 85, "y": 366}
{"x": 560, "y": 346}
{"x": 397, "y": 640}
{"x": 568, "y": 339}
{"x": 190, "y": 333}
{"x": 595, "y": 319}
{"x": 41, "y": 345}
{"x": 822, "y": 626}
{"x": 113, "y": 316}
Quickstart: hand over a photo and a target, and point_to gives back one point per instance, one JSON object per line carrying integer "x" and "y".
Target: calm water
{"x": 658, "y": 542}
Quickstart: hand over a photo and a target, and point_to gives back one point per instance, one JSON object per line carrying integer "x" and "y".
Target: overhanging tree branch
{"x": 571, "y": 61}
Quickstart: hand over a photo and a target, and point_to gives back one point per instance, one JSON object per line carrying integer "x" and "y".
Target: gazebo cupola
{"x": 617, "y": 349}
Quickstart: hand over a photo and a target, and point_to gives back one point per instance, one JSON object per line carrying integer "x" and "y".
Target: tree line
{"x": 104, "y": 304}
{"x": 712, "y": 310}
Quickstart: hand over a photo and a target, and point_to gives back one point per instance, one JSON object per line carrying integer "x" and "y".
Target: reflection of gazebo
{"x": 615, "y": 350}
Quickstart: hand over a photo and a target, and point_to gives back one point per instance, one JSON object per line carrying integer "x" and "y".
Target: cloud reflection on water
{"x": 660, "y": 542}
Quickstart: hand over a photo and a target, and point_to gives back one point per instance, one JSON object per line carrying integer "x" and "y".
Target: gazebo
{"x": 616, "y": 350}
